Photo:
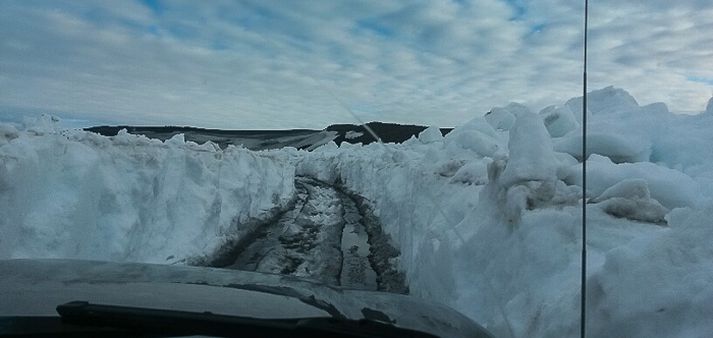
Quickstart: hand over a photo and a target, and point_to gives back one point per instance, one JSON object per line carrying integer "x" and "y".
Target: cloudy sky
{"x": 284, "y": 64}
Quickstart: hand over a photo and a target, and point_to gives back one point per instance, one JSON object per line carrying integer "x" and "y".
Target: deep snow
{"x": 74, "y": 194}
{"x": 487, "y": 218}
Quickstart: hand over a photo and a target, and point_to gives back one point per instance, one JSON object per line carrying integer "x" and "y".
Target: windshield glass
{"x": 433, "y": 149}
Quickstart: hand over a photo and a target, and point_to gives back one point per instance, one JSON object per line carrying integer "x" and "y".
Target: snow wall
{"x": 74, "y": 194}
{"x": 488, "y": 218}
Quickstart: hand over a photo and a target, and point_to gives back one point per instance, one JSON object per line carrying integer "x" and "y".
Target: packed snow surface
{"x": 487, "y": 218}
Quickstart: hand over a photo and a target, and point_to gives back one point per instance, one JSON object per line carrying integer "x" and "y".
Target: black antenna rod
{"x": 583, "y": 309}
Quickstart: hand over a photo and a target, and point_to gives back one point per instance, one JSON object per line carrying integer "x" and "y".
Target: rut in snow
{"x": 327, "y": 235}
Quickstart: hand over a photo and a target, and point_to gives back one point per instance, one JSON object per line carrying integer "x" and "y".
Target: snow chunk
{"x": 476, "y": 135}
{"x": 528, "y": 179}
{"x": 430, "y": 135}
{"x": 474, "y": 172}
{"x": 8, "y": 133}
{"x": 558, "y": 120}
{"x": 500, "y": 119}
{"x": 476, "y": 141}
{"x": 44, "y": 124}
{"x": 515, "y": 202}
{"x": 670, "y": 187}
{"x": 531, "y": 154}
{"x": 631, "y": 199}
{"x": 645, "y": 210}
{"x": 616, "y": 146}
{"x": 609, "y": 100}
{"x": 634, "y": 188}
{"x": 449, "y": 167}
{"x": 503, "y": 118}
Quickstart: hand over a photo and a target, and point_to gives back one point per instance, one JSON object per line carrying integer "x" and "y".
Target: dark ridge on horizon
{"x": 114, "y": 130}
{"x": 388, "y": 132}
{"x": 272, "y": 139}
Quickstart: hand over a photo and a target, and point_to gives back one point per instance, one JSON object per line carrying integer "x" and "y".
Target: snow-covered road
{"x": 485, "y": 219}
{"x": 323, "y": 236}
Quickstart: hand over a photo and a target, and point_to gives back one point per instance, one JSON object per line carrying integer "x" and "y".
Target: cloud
{"x": 657, "y": 50}
{"x": 277, "y": 64}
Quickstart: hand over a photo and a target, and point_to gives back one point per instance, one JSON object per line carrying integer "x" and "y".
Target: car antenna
{"x": 583, "y": 287}
{"x": 328, "y": 91}
{"x": 350, "y": 111}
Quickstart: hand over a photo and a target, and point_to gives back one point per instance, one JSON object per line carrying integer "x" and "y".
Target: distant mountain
{"x": 388, "y": 132}
{"x": 273, "y": 139}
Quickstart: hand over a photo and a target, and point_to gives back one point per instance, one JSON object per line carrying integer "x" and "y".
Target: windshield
{"x": 433, "y": 149}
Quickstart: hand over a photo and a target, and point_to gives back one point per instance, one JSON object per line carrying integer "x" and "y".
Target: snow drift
{"x": 75, "y": 194}
{"x": 488, "y": 218}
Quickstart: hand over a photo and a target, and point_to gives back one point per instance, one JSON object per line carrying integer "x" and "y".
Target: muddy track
{"x": 327, "y": 234}
{"x": 383, "y": 254}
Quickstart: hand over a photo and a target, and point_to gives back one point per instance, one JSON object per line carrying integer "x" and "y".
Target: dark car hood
{"x": 36, "y": 287}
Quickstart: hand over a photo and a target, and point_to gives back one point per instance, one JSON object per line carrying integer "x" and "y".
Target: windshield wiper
{"x": 183, "y": 323}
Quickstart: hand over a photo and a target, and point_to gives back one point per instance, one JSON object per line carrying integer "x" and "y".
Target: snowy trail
{"x": 323, "y": 237}
{"x": 356, "y": 269}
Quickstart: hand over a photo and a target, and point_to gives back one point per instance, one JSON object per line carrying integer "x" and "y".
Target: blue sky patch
{"x": 374, "y": 26}
{"x": 155, "y": 6}
{"x": 519, "y": 9}
{"x": 701, "y": 79}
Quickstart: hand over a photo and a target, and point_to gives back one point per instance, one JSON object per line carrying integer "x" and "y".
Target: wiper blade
{"x": 182, "y": 323}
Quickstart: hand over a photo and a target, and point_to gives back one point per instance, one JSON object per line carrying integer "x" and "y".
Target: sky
{"x": 258, "y": 64}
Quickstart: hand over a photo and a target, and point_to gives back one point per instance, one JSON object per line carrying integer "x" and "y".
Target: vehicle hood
{"x": 36, "y": 287}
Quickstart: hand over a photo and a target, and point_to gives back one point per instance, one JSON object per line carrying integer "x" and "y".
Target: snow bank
{"x": 488, "y": 219}
{"x": 658, "y": 285}
{"x": 75, "y": 194}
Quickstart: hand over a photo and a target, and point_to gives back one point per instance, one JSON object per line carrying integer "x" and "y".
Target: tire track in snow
{"x": 325, "y": 236}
